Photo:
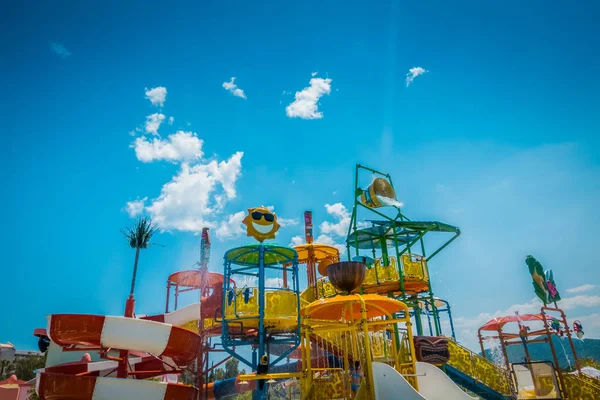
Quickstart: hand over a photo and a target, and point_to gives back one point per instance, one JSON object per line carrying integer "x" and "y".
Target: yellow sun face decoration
{"x": 261, "y": 223}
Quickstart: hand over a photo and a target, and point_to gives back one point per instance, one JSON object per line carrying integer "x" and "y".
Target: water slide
{"x": 157, "y": 345}
{"x": 166, "y": 347}
{"x": 433, "y": 384}
{"x": 188, "y": 316}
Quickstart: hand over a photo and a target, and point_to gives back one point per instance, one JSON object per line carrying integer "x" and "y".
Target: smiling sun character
{"x": 261, "y": 223}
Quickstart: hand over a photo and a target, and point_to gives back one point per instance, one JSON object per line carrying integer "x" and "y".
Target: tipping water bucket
{"x": 380, "y": 193}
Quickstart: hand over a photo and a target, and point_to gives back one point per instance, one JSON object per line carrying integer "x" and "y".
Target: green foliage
{"x": 140, "y": 234}
{"x": 187, "y": 377}
{"x": 32, "y": 394}
{"x": 22, "y": 367}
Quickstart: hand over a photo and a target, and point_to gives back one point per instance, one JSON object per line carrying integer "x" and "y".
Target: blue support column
{"x": 261, "y": 394}
{"x": 428, "y": 318}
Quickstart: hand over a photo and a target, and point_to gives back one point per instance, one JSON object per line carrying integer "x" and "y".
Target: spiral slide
{"x": 157, "y": 345}
{"x": 433, "y": 384}
{"x": 165, "y": 348}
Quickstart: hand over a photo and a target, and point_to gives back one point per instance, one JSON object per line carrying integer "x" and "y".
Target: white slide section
{"x": 391, "y": 385}
{"x": 183, "y": 315}
{"x": 434, "y": 384}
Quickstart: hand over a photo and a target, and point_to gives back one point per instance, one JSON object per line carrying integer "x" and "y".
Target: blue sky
{"x": 500, "y": 137}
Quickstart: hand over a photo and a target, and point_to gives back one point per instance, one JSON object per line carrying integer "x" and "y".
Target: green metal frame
{"x": 414, "y": 231}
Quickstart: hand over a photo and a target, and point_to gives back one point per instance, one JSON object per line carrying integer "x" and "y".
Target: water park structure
{"x": 354, "y": 332}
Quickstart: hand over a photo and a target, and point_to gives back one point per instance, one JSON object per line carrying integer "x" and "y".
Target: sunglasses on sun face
{"x": 257, "y": 215}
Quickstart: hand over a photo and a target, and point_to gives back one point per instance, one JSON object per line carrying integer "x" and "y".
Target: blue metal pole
{"x": 428, "y": 318}
{"x": 258, "y": 393}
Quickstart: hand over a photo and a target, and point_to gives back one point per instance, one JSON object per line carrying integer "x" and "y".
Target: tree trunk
{"x": 135, "y": 265}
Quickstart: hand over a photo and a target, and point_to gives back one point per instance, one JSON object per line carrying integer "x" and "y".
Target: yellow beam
{"x": 281, "y": 375}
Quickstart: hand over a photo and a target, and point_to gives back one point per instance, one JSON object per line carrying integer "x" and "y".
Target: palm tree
{"x": 139, "y": 238}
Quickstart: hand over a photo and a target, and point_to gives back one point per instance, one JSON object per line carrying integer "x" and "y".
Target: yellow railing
{"x": 414, "y": 268}
{"x": 332, "y": 384}
{"x": 281, "y": 308}
{"x": 478, "y": 368}
{"x": 577, "y": 388}
{"x": 379, "y": 273}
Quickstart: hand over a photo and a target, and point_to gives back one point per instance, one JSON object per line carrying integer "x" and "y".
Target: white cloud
{"x": 284, "y": 221}
{"x": 135, "y": 207}
{"x": 584, "y": 300}
{"x": 171, "y": 120}
{"x": 582, "y": 288}
{"x": 249, "y": 281}
{"x": 274, "y": 282}
{"x": 234, "y": 89}
{"x": 232, "y": 227}
{"x": 181, "y": 146}
{"x": 330, "y": 232}
{"x": 59, "y": 49}
{"x": 340, "y": 228}
{"x": 153, "y": 122}
{"x": 326, "y": 239}
{"x": 296, "y": 241}
{"x": 288, "y": 221}
{"x": 314, "y": 73}
{"x": 157, "y": 95}
{"x": 305, "y": 104}
{"x": 413, "y": 73}
{"x": 131, "y": 133}
{"x": 189, "y": 201}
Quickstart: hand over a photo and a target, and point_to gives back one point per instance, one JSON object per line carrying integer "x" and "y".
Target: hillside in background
{"x": 586, "y": 348}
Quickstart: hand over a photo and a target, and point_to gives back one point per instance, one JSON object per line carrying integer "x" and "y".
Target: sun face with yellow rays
{"x": 261, "y": 223}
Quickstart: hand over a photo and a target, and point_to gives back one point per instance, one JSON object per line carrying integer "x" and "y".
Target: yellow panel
{"x": 332, "y": 386}
{"x": 326, "y": 289}
{"x": 478, "y": 368}
{"x": 414, "y": 266}
{"x": 581, "y": 389}
{"x": 383, "y": 279}
{"x": 281, "y": 309}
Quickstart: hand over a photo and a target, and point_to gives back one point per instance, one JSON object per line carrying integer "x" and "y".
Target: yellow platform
{"x": 383, "y": 279}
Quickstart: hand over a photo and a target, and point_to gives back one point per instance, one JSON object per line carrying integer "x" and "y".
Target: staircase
{"x": 477, "y": 374}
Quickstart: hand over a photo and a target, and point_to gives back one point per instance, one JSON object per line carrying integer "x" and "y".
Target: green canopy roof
{"x": 369, "y": 238}
{"x": 419, "y": 226}
{"x": 248, "y": 254}
{"x": 406, "y": 232}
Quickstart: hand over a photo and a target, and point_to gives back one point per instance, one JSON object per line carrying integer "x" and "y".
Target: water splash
{"x": 564, "y": 351}
{"x": 389, "y": 201}
{"x": 496, "y": 352}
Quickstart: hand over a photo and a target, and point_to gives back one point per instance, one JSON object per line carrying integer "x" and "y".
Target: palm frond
{"x": 140, "y": 233}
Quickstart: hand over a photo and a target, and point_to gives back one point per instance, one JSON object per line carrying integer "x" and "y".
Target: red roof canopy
{"x": 191, "y": 278}
{"x": 496, "y": 324}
